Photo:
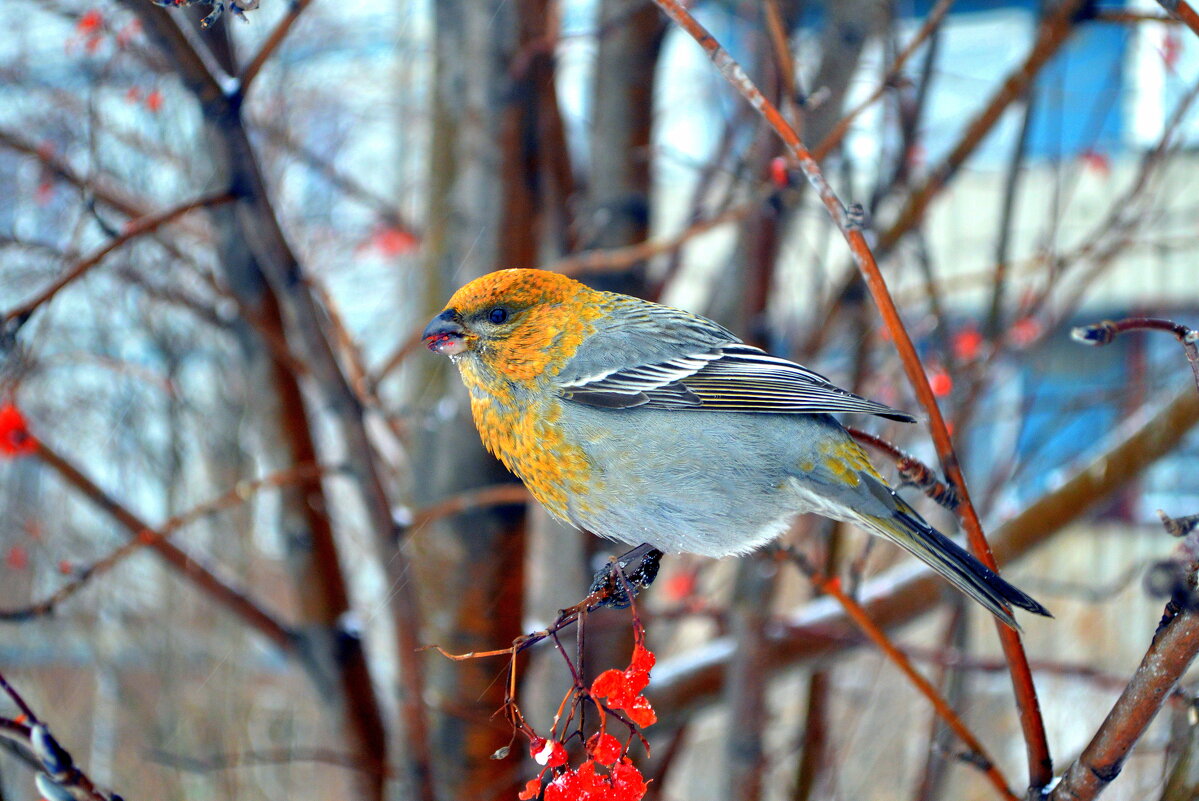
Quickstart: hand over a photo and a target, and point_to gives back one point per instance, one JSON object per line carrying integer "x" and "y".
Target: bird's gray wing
{"x": 689, "y": 363}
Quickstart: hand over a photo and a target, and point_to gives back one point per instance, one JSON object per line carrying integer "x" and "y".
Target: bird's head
{"x": 517, "y": 321}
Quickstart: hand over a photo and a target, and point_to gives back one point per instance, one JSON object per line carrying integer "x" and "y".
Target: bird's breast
{"x": 524, "y": 430}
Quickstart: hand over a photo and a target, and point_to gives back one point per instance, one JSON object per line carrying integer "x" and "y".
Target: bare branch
{"x": 979, "y": 756}
{"x": 911, "y": 470}
{"x": 1167, "y": 659}
{"x": 16, "y": 317}
{"x": 148, "y": 537}
{"x": 1106, "y": 331}
{"x": 294, "y": 10}
{"x": 235, "y": 600}
{"x": 1182, "y": 10}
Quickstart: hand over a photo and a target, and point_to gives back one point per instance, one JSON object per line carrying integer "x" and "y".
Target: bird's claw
{"x": 625, "y": 576}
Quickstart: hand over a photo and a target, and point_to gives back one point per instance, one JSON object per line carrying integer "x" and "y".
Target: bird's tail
{"x": 906, "y": 528}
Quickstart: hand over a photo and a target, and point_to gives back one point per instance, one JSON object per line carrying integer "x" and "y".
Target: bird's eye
{"x": 498, "y": 316}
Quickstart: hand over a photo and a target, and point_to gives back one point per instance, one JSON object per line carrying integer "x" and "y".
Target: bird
{"x": 659, "y": 428}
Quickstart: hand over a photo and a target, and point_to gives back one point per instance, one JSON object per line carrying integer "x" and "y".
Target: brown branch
{"x": 1131, "y": 17}
{"x": 978, "y": 756}
{"x": 385, "y": 207}
{"x": 622, "y": 258}
{"x": 1106, "y": 331}
{"x": 397, "y": 357}
{"x": 60, "y": 168}
{"x": 294, "y": 9}
{"x": 234, "y": 600}
{"x": 147, "y": 537}
{"x": 1181, "y": 10}
{"x": 1040, "y": 763}
{"x": 134, "y": 229}
{"x": 496, "y": 495}
{"x": 1163, "y": 665}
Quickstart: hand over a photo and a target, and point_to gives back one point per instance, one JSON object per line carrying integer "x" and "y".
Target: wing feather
{"x": 729, "y": 376}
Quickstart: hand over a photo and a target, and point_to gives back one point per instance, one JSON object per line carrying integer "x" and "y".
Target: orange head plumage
{"x": 509, "y": 333}
{"x": 516, "y": 324}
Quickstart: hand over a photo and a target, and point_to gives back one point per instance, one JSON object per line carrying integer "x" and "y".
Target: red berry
{"x": 604, "y": 748}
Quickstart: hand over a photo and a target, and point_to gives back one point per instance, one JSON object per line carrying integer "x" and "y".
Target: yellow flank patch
{"x": 845, "y": 459}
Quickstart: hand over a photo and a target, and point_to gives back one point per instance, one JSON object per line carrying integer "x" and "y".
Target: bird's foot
{"x": 625, "y": 576}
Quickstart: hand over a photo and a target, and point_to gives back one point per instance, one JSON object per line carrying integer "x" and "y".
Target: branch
{"x": 60, "y": 168}
{"x": 246, "y": 759}
{"x": 186, "y": 564}
{"x": 1103, "y": 333}
{"x": 242, "y": 492}
{"x": 495, "y": 495}
{"x": 1040, "y": 763}
{"x": 1167, "y": 659}
{"x": 1181, "y": 10}
{"x": 16, "y": 317}
{"x": 978, "y": 754}
{"x": 834, "y": 137}
{"x": 271, "y": 44}
{"x": 911, "y": 470}
{"x": 622, "y": 258}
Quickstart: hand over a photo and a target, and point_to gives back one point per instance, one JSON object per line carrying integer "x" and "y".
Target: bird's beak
{"x": 445, "y": 335}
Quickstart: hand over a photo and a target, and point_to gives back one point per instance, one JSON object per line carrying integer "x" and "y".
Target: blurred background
{"x": 219, "y": 244}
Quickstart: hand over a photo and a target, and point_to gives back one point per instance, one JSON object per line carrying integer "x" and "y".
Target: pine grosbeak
{"x": 643, "y": 423}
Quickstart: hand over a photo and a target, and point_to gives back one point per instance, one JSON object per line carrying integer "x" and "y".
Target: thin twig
{"x": 271, "y": 44}
{"x": 1106, "y": 331}
{"x": 495, "y": 495}
{"x": 832, "y": 586}
{"x": 243, "y": 759}
{"x": 834, "y": 137}
{"x": 233, "y": 599}
{"x": 242, "y": 492}
{"x": 1040, "y": 763}
{"x": 621, "y": 258}
{"x": 1133, "y": 17}
{"x": 135, "y": 228}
